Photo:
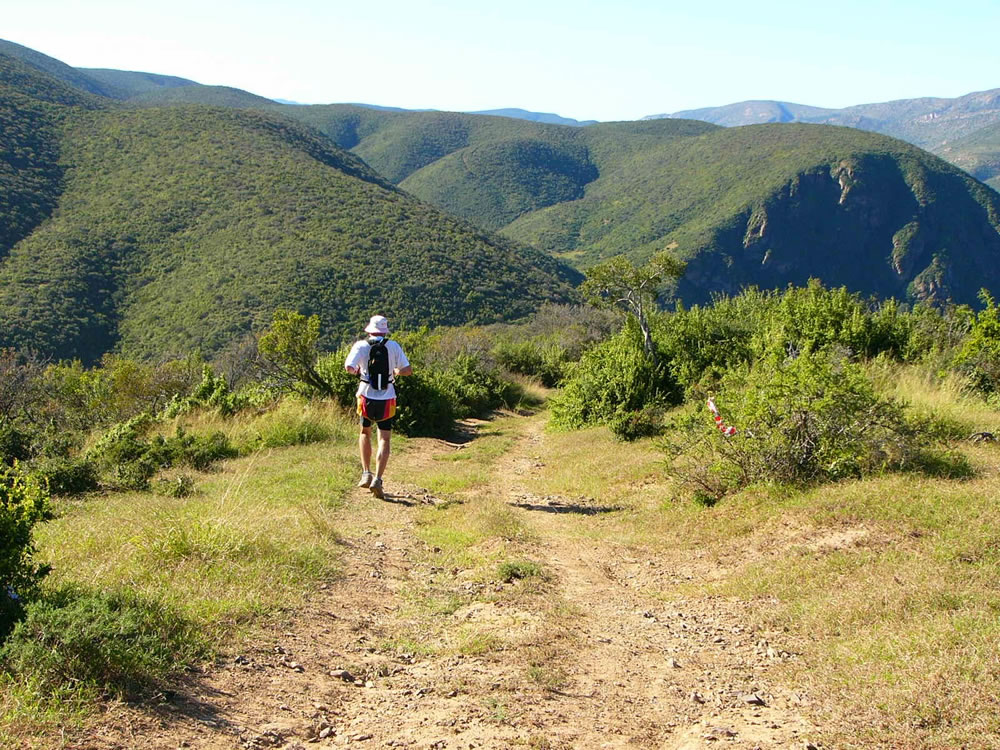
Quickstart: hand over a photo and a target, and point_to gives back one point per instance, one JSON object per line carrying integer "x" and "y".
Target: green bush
{"x": 343, "y": 384}
{"x": 213, "y": 392}
{"x": 808, "y": 419}
{"x": 118, "y": 642}
{"x": 613, "y": 383}
{"x": 424, "y": 407}
{"x": 66, "y": 476}
{"x": 122, "y": 456}
{"x": 23, "y": 503}
{"x": 701, "y": 344}
{"x": 541, "y": 359}
{"x": 476, "y": 387}
{"x": 813, "y": 318}
{"x": 117, "y": 391}
{"x": 196, "y": 451}
{"x": 15, "y": 444}
{"x": 180, "y": 486}
{"x": 127, "y": 460}
{"x": 979, "y": 356}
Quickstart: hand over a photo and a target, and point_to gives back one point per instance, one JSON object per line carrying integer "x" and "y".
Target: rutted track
{"x": 596, "y": 661}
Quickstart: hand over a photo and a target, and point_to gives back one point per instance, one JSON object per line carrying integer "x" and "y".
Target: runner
{"x": 378, "y": 361}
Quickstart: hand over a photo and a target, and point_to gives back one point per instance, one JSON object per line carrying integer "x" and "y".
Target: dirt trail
{"x": 602, "y": 664}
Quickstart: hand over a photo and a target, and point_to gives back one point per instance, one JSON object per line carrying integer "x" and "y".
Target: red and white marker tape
{"x": 726, "y": 430}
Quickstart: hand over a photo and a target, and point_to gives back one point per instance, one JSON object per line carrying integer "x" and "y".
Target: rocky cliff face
{"x": 872, "y": 224}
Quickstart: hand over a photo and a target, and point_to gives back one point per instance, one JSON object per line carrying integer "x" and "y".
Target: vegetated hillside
{"x": 928, "y": 122}
{"x": 762, "y": 205}
{"x": 978, "y": 154}
{"x": 129, "y": 83}
{"x": 397, "y": 144}
{"x": 215, "y": 96}
{"x": 753, "y": 112}
{"x": 494, "y": 182}
{"x": 31, "y": 106}
{"x": 21, "y": 79}
{"x": 180, "y": 228}
{"x": 774, "y": 204}
{"x": 490, "y": 170}
{"x": 58, "y": 70}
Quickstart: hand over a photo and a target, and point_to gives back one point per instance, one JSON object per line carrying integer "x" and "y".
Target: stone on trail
{"x": 342, "y": 674}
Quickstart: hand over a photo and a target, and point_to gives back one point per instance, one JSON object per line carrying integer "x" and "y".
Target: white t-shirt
{"x": 358, "y": 357}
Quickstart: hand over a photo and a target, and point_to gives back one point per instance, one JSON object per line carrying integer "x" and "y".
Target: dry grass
{"x": 256, "y": 531}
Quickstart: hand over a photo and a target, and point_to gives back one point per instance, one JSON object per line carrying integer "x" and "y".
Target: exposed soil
{"x": 593, "y": 661}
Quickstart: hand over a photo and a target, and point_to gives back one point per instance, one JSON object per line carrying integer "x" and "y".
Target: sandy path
{"x": 603, "y": 665}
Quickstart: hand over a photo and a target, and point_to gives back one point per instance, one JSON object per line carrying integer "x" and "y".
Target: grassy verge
{"x": 248, "y": 542}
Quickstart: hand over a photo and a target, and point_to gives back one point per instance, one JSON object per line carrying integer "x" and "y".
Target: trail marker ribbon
{"x": 726, "y": 429}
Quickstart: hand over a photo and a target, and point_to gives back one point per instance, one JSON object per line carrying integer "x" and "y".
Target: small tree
{"x": 289, "y": 347}
{"x": 617, "y": 282}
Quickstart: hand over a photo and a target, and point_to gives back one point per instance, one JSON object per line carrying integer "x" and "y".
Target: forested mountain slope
{"x": 776, "y": 204}
{"x": 767, "y": 205}
{"x": 166, "y": 230}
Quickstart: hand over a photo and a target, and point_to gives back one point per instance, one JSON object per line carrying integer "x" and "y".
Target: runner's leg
{"x": 384, "y": 436}
{"x": 365, "y": 448}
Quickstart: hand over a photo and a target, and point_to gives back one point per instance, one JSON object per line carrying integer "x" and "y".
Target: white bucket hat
{"x": 378, "y": 326}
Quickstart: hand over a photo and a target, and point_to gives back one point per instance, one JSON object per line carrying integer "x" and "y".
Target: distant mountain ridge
{"x": 928, "y": 122}
{"x": 523, "y": 114}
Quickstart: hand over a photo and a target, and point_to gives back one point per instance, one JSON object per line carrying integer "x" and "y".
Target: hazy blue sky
{"x": 585, "y": 59}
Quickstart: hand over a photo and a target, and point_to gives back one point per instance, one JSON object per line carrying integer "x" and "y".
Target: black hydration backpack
{"x": 378, "y": 365}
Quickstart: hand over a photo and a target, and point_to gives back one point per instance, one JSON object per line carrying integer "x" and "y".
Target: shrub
{"x": 476, "y": 387}
{"x": 212, "y": 392}
{"x": 196, "y": 451}
{"x": 117, "y": 391}
{"x": 15, "y": 444}
{"x": 288, "y": 346}
{"x": 23, "y": 503}
{"x": 128, "y": 461}
{"x": 122, "y": 456}
{"x": 813, "y": 318}
{"x": 979, "y": 356}
{"x": 424, "y": 406}
{"x": 180, "y": 486}
{"x": 701, "y": 344}
{"x": 537, "y": 358}
{"x": 118, "y": 641}
{"x": 343, "y": 384}
{"x": 66, "y": 476}
{"x": 808, "y": 419}
{"x": 613, "y": 382}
